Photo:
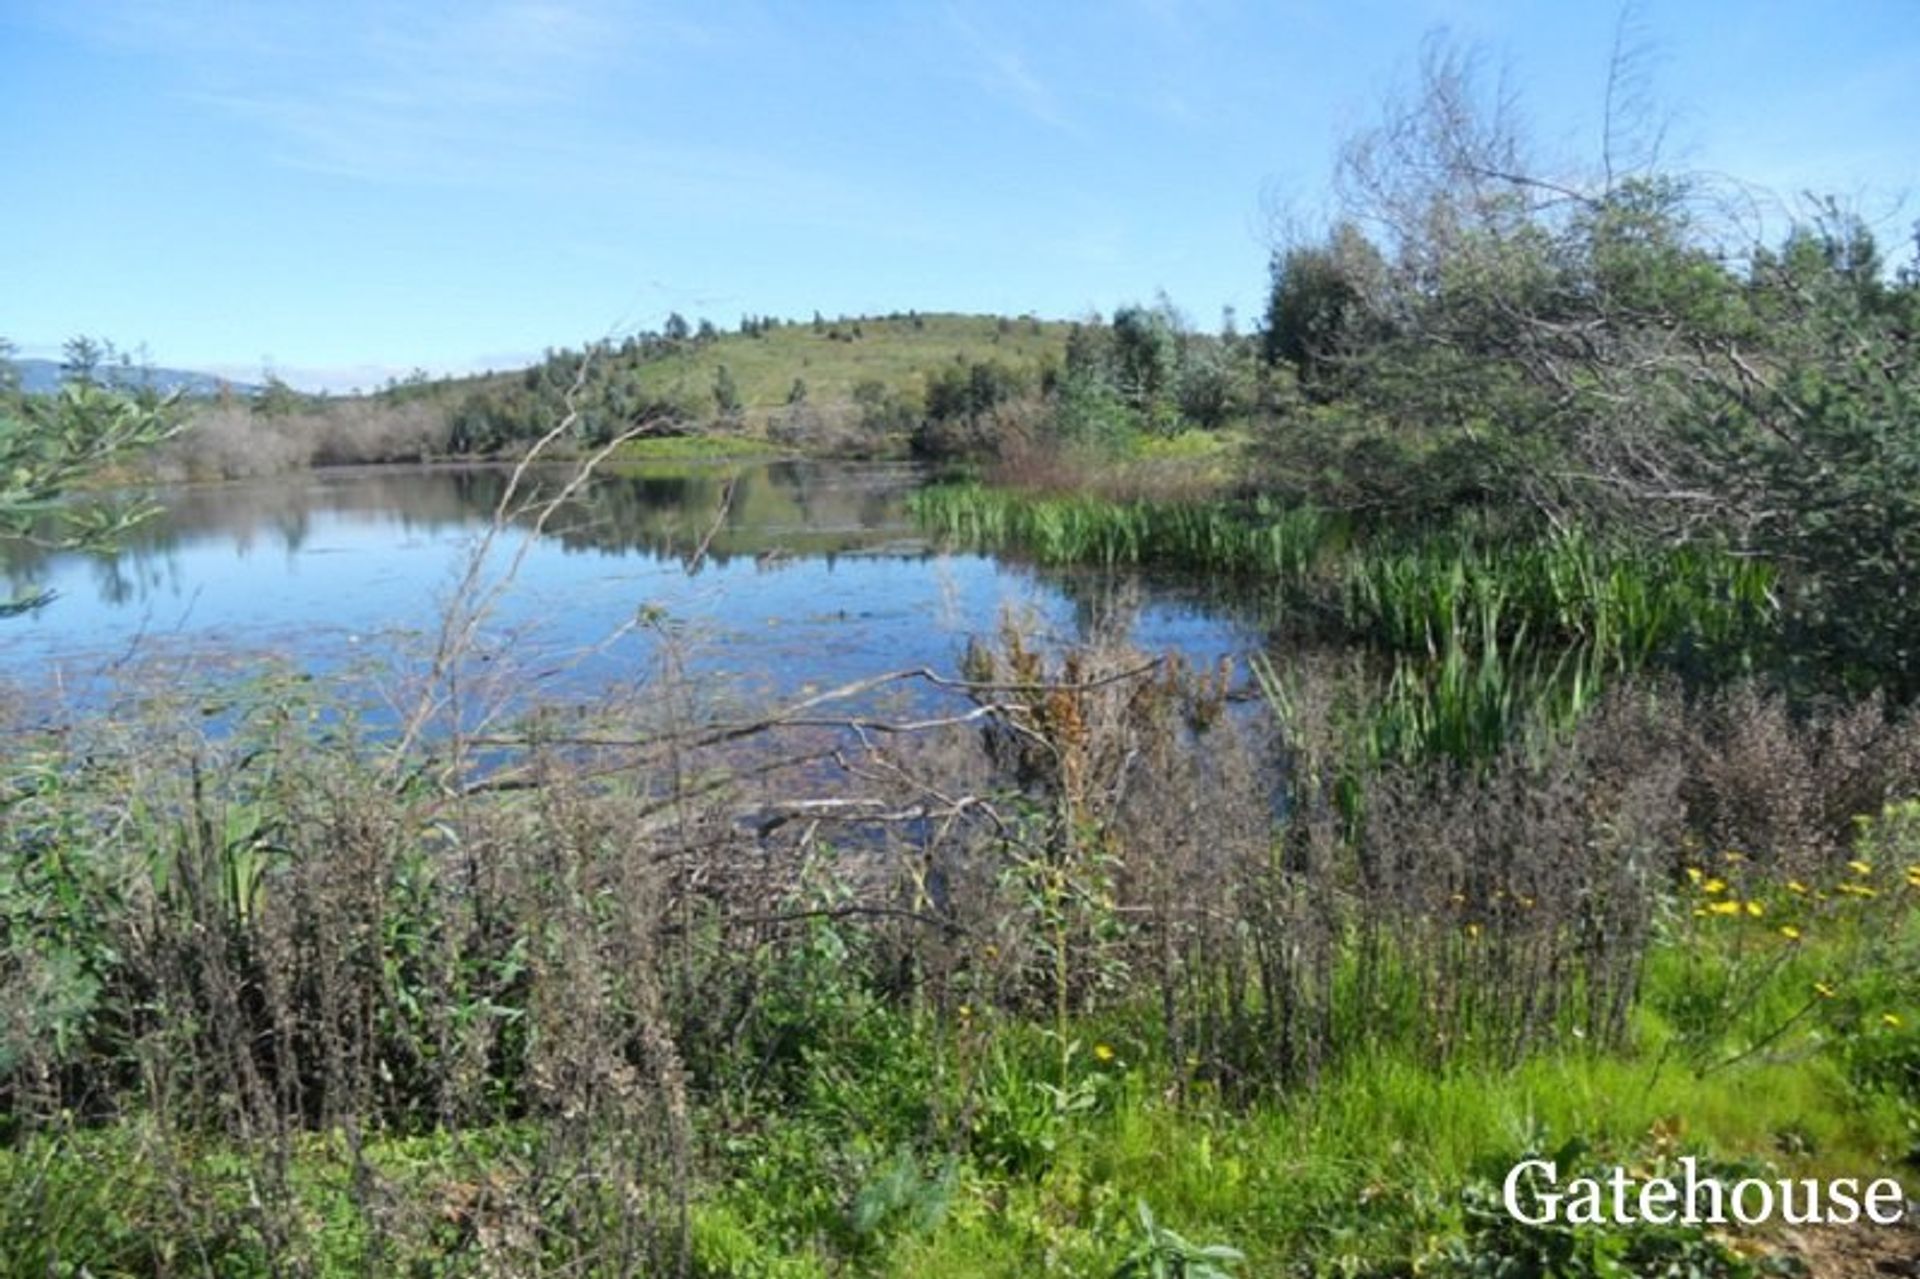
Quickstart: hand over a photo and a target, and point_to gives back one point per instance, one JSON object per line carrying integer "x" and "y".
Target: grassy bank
{"x": 1390, "y": 1167}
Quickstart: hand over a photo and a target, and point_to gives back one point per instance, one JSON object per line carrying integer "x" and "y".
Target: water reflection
{"x": 779, "y": 574}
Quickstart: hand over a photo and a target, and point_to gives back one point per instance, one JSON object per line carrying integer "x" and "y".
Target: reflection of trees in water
{"x": 1105, "y": 608}
{"x": 113, "y": 579}
{"x": 801, "y": 508}
{"x": 797, "y": 508}
{"x": 1108, "y": 604}
{"x": 877, "y": 510}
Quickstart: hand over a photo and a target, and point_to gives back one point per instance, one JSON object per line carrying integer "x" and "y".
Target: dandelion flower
{"x": 1756, "y": 909}
{"x": 1797, "y": 888}
{"x": 1103, "y": 1052}
{"x": 1860, "y": 867}
{"x": 1714, "y": 886}
{"x": 1728, "y": 907}
{"x": 1695, "y": 874}
{"x": 1789, "y": 932}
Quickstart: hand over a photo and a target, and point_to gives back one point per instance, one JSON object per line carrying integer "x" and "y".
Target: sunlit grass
{"x": 833, "y": 359}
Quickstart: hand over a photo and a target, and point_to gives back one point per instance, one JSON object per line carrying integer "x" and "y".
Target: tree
{"x": 726, "y": 392}
{"x": 1208, "y": 392}
{"x": 1591, "y": 342}
{"x": 1810, "y": 434}
{"x": 275, "y": 398}
{"x": 677, "y": 329}
{"x": 1316, "y": 306}
{"x": 81, "y": 358}
{"x": 1145, "y": 353}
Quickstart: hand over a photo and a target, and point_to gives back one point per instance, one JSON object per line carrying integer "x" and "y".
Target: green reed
{"x": 1483, "y": 630}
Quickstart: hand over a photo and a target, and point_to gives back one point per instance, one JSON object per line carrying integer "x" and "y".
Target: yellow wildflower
{"x": 1695, "y": 874}
{"x": 1789, "y": 932}
{"x": 1890, "y": 1020}
{"x": 1756, "y": 909}
{"x": 1823, "y": 990}
{"x": 1733, "y": 858}
{"x": 1860, "y": 867}
{"x": 1473, "y": 930}
{"x": 1728, "y": 907}
{"x": 1714, "y": 886}
{"x": 1797, "y": 888}
{"x": 1858, "y": 890}
{"x": 966, "y": 1011}
{"x": 1103, "y": 1052}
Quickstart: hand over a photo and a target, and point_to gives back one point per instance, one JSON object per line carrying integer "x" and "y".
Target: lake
{"x": 770, "y": 577}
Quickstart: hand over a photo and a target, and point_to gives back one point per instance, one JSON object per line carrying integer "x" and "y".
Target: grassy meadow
{"x": 836, "y": 356}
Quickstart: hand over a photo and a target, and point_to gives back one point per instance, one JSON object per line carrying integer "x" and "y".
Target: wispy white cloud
{"x": 462, "y": 92}
{"x": 1004, "y": 72}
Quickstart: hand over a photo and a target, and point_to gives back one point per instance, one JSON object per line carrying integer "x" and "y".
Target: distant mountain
{"x": 40, "y": 376}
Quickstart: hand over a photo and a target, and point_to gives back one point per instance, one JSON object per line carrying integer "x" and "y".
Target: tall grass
{"x": 1481, "y": 635}
{"x": 1264, "y": 538}
{"x": 1624, "y": 605}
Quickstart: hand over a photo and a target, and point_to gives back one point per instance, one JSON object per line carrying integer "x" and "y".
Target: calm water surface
{"x": 813, "y": 574}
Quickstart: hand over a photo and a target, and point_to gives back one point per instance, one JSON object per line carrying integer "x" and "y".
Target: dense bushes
{"x": 1601, "y": 350}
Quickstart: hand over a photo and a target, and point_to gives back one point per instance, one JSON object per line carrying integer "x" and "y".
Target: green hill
{"x": 849, "y": 384}
{"x": 901, "y": 353}
{"x": 859, "y": 386}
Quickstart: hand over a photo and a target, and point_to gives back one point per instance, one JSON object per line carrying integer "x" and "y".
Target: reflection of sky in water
{"x": 343, "y": 577}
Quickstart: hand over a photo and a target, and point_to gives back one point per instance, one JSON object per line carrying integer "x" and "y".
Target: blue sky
{"x": 350, "y": 189}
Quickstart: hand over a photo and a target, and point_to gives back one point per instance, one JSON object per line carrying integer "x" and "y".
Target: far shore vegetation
{"x": 1572, "y": 810}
